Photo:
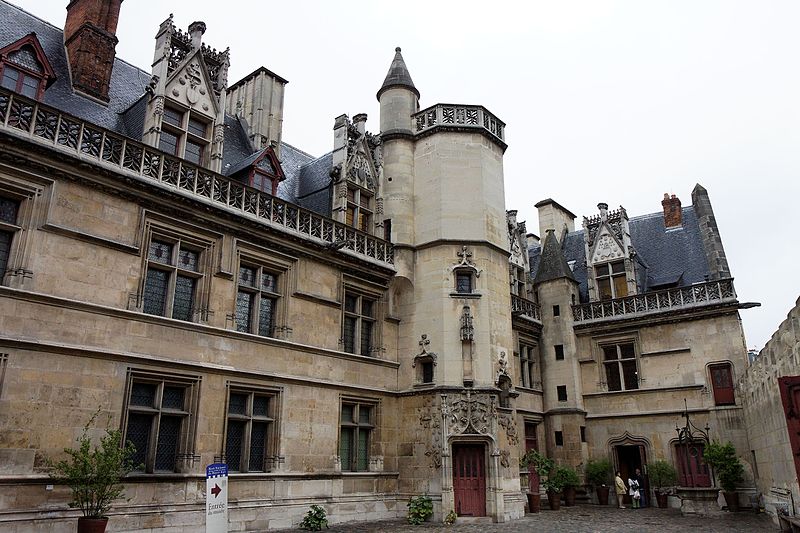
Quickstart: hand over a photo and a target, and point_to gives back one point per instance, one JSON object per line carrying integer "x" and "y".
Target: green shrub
{"x": 420, "y": 508}
{"x": 315, "y": 519}
{"x": 450, "y": 519}
{"x": 540, "y": 463}
{"x": 598, "y": 472}
{"x": 561, "y": 477}
{"x": 94, "y": 473}
{"x": 663, "y": 475}
{"x": 727, "y": 467}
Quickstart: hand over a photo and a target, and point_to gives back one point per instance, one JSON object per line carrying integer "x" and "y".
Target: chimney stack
{"x": 90, "y": 39}
{"x": 672, "y": 211}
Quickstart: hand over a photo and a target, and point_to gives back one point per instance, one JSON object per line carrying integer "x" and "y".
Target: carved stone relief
{"x": 606, "y": 249}
{"x": 504, "y": 455}
{"x": 469, "y": 413}
{"x": 429, "y": 420}
{"x": 507, "y": 422}
{"x": 467, "y": 328}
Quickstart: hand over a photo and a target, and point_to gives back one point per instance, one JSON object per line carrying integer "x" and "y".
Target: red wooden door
{"x": 790, "y": 395}
{"x": 722, "y": 383}
{"x": 469, "y": 480}
{"x": 692, "y": 469}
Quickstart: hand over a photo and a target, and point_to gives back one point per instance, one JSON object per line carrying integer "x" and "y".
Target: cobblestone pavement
{"x": 584, "y": 519}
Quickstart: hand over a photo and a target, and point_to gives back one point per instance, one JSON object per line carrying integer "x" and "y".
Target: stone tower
{"x": 444, "y": 201}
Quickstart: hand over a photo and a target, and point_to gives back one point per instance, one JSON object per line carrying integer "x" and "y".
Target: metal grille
{"x": 184, "y": 298}
{"x": 169, "y": 431}
{"x": 269, "y": 282}
{"x": 160, "y": 251}
{"x": 261, "y": 406}
{"x": 173, "y": 397}
{"x": 233, "y": 444}
{"x": 265, "y": 313}
{"x": 8, "y": 210}
{"x": 237, "y": 404}
{"x": 258, "y": 446}
{"x": 347, "y": 413}
{"x": 247, "y": 276}
{"x": 463, "y": 282}
{"x": 346, "y": 448}
{"x": 155, "y": 291}
{"x": 138, "y": 434}
{"x": 188, "y": 259}
{"x": 363, "y": 455}
{"x": 244, "y": 303}
{"x": 143, "y": 394}
{"x": 5, "y": 250}
{"x": 349, "y": 336}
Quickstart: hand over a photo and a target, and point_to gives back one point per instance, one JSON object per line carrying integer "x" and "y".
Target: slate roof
{"x": 674, "y": 256}
{"x": 552, "y": 264}
{"x": 398, "y": 75}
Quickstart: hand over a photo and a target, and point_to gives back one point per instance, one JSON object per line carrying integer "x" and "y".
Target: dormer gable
{"x": 262, "y": 170}
{"x": 607, "y": 247}
{"x": 24, "y": 67}
{"x": 190, "y": 86}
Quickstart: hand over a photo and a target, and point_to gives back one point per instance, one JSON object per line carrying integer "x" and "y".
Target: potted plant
{"x": 540, "y": 466}
{"x": 555, "y": 483}
{"x": 598, "y": 474}
{"x": 663, "y": 477}
{"x": 571, "y": 481}
{"x": 728, "y": 470}
{"x": 94, "y": 473}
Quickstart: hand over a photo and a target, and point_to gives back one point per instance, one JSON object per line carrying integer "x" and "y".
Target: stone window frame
{"x": 280, "y": 265}
{"x": 362, "y": 290}
{"x": 356, "y": 462}
{"x": 611, "y": 276}
{"x": 620, "y": 362}
{"x": 357, "y": 214}
{"x": 728, "y": 365}
{"x": 185, "y": 449}
{"x": 528, "y": 357}
{"x": 273, "y": 418}
{"x": 32, "y": 203}
{"x": 172, "y": 233}
{"x": 184, "y": 134}
{"x": 625, "y": 337}
{"x": 558, "y": 437}
{"x": 465, "y": 270}
{"x": 559, "y": 390}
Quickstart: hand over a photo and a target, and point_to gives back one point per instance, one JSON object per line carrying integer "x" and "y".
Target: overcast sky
{"x": 615, "y": 102}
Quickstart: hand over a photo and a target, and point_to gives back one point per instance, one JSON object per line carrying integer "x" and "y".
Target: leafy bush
{"x": 420, "y": 508}
{"x": 94, "y": 473}
{"x": 726, "y": 465}
{"x": 541, "y": 464}
{"x": 663, "y": 475}
{"x": 315, "y": 519}
{"x": 450, "y": 519}
{"x": 561, "y": 477}
{"x": 598, "y": 472}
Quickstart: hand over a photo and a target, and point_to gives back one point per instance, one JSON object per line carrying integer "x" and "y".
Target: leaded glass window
{"x": 358, "y": 324}
{"x": 256, "y": 300}
{"x": 621, "y": 370}
{"x": 173, "y": 272}
{"x": 9, "y": 210}
{"x": 182, "y": 136}
{"x": 247, "y": 437}
{"x": 157, "y": 418}
{"x": 611, "y": 280}
{"x": 359, "y": 208}
{"x": 354, "y": 436}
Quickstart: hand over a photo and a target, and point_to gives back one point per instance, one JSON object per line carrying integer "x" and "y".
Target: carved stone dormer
{"x": 465, "y": 275}
{"x": 185, "y": 113}
{"x": 518, "y": 262}
{"x": 610, "y": 256}
{"x": 357, "y": 169}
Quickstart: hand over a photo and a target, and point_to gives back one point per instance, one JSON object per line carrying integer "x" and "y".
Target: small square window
{"x": 427, "y": 372}
{"x": 559, "y": 348}
{"x": 559, "y": 438}
{"x": 561, "y": 390}
{"x": 556, "y": 310}
{"x": 464, "y": 282}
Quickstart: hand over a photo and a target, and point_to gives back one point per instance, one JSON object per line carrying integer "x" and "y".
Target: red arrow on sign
{"x": 216, "y": 490}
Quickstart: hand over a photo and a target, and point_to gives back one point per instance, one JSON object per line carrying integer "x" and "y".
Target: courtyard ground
{"x": 583, "y": 519}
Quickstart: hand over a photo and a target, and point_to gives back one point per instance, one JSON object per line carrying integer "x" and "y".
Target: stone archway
{"x": 628, "y": 453}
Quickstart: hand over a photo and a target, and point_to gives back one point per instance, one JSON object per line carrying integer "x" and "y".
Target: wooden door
{"x": 790, "y": 395}
{"x": 532, "y": 443}
{"x": 469, "y": 479}
{"x": 722, "y": 383}
{"x": 692, "y": 468}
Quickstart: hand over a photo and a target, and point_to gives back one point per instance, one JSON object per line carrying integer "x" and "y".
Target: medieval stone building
{"x": 333, "y": 328}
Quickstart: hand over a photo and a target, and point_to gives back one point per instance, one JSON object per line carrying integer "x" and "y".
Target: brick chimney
{"x": 672, "y": 211}
{"x": 90, "y": 39}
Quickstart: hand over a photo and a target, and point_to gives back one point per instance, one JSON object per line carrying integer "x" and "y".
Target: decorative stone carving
{"x": 507, "y": 422}
{"x": 606, "y": 249}
{"x": 430, "y": 421}
{"x": 467, "y": 329}
{"x": 158, "y": 105}
{"x": 469, "y": 413}
{"x": 466, "y": 258}
{"x": 424, "y": 354}
{"x": 504, "y": 455}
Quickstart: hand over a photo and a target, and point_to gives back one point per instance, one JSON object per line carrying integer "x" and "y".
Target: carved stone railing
{"x": 459, "y": 116}
{"x": 20, "y": 116}
{"x": 521, "y": 306}
{"x": 698, "y": 295}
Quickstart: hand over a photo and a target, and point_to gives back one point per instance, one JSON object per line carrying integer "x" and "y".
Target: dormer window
{"x": 24, "y": 68}
{"x": 184, "y": 135}
{"x": 611, "y": 280}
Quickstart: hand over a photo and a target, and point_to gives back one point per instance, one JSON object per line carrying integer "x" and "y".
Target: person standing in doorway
{"x": 621, "y": 489}
{"x": 633, "y": 488}
{"x": 642, "y": 492}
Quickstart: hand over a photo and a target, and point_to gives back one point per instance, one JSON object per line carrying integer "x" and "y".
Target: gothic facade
{"x": 340, "y": 329}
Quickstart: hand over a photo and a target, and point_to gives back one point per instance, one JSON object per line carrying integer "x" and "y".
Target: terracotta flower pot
{"x": 602, "y": 495}
{"x": 569, "y": 496}
{"x": 534, "y": 503}
{"x": 732, "y": 500}
{"x": 92, "y": 525}
{"x": 661, "y": 499}
{"x": 554, "y": 499}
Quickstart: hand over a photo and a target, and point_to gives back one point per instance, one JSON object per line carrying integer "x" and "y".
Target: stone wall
{"x": 770, "y": 451}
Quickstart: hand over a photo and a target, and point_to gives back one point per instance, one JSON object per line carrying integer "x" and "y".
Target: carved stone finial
{"x": 397, "y": 49}
{"x": 423, "y": 344}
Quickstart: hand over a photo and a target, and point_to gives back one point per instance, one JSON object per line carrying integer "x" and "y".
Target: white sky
{"x": 607, "y": 101}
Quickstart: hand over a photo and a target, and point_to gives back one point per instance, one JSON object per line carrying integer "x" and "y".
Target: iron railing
{"x": 700, "y": 294}
{"x": 47, "y": 126}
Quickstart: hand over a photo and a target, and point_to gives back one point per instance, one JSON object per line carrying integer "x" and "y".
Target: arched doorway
{"x": 630, "y": 452}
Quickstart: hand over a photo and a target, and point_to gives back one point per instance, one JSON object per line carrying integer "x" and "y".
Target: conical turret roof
{"x": 398, "y": 75}
{"x": 552, "y": 264}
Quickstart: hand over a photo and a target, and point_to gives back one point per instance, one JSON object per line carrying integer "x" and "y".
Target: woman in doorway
{"x": 633, "y": 487}
{"x": 621, "y": 488}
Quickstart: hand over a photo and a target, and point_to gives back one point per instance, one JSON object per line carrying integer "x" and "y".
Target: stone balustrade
{"x": 700, "y": 294}
{"x": 20, "y": 116}
{"x": 460, "y": 116}
{"x": 524, "y": 307}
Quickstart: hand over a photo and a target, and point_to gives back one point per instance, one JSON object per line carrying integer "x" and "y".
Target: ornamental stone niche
{"x": 424, "y": 362}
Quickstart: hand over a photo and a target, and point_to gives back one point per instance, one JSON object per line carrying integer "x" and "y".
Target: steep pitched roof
{"x": 552, "y": 264}
{"x": 398, "y": 75}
